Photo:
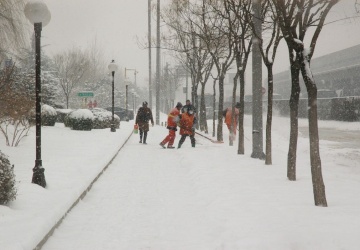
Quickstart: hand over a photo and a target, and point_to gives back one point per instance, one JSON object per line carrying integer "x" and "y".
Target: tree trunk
{"x": 221, "y": 107}
{"x": 214, "y": 107}
{"x": 235, "y": 80}
{"x": 316, "y": 172}
{"x": 67, "y": 101}
{"x": 203, "y": 123}
{"x": 268, "y": 158}
{"x": 241, "y": 146}
{"x": 294, "y": 106}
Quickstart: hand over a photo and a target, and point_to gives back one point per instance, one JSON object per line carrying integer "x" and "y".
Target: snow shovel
{"x": 213, "y": 141}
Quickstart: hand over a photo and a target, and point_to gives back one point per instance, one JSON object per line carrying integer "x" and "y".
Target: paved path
{"x": 137, "y": 201}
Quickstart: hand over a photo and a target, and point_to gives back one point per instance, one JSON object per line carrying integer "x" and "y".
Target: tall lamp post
{"x": 39, "y": 15}
{"x": 135, "y": 72}
{"x": 112, "y": 67}
{"x": 126, "y": 90}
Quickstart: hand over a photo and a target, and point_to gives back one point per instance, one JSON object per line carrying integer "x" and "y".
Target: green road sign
{"x": 85, "y": 94}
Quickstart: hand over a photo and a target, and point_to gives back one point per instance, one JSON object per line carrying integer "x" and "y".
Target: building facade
{"x": 338, "y": 71}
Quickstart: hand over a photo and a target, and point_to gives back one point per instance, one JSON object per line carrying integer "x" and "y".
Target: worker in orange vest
{"x": 227, "y": 113}
{"x": 187, "y": 126}
{"x": 173, "y": 118}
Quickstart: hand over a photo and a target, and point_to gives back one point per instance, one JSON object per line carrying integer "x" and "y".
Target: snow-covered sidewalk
{"x": 72, "y": 159}
{"x": 207, "y": 197}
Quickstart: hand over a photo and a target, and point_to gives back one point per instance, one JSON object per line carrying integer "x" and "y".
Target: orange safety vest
{"x": 171, "y": 121}
{"x": 228, "y": 117}
{"x": 186, "y": 123}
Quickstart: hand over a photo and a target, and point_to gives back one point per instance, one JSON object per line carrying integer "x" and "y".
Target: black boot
{"x": 193, "y": 142}
{"x": 182, "y": 139}
{"x": 145, "y": 135}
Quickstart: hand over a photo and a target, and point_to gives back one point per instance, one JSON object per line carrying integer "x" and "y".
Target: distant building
{"x": 338, "y": 71}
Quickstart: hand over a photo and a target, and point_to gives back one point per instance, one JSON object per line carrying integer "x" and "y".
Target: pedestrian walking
{"x": 172, "y": 120}
{"x": 90, "y": 105}
{"x": 143, "y": 116}
{"x": 227, "y": 113}
{"x": 187, "y": 124}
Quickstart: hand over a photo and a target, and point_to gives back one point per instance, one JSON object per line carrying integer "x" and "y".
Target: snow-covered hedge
{"x": 103, "y": 119}
{"x": 61, "y": 114}
{"x": 81, "y": 119}
{"x": 48, "y": 115}
{"x": 7, "y": 181}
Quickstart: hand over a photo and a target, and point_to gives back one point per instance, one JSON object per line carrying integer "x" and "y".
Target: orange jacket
{"x": 228, "y": 117}
{"x": 186, "y": 124}
{"x": 172, "y": 117}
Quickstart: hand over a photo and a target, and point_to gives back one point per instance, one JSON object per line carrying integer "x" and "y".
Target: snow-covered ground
{"x": 207, "y": 197}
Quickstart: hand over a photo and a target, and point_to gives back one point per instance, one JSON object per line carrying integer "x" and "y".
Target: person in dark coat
{"x": 143, "y": 116}
{"x": 187, "y": 124}
{"x": 187, "y": 107}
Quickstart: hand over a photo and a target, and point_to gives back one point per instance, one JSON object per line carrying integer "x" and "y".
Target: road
{"x": 345, "y": 138}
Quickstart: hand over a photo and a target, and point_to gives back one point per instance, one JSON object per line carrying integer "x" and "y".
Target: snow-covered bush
{"x": 48, "y": 115}
{"x": 61, "y": 114}
{"x": 103, "y": 118}
{"x": 81, "y": 119}
{"x": 7, "y": 181}
{"x": 68, "y": 120}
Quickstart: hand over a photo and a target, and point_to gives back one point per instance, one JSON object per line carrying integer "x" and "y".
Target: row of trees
{"x": 209, "y": 37}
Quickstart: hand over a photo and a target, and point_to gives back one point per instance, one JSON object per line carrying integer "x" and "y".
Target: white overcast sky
{"x": 116, "y": 23}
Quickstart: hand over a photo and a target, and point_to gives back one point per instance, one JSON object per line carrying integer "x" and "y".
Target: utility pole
{"x": 187, "y": 83}
{"x": 168, "y": 86}
{"x": 158, "y": 63}
{"x": 149, "y": 44}
{"x": 257, "y": 133}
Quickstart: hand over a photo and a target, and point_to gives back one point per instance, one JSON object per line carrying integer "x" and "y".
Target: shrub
{"x": 48, "y": 115}
{"x": 7, "y": 181}
{"x": 68, "y": 120}
{"x": 103, "y": 119}
{"x": 117, "y": 121}
{"x": 81, "y": 119}
{"x": 14, "y": 129}
{"x": 61, "y": 114}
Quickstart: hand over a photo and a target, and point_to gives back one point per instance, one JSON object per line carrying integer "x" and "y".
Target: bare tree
{"x": 214, "y": 32}
{"x": 97, "y": 64}
{"x": 238, "y": 26}
{"x": 268, "y": 44}
{"x": 185, "y": 40}
{"x": 16, "y": 104}
{"x": 71, "y": 67}
{"x": 296, "y": 19}
{"x": 13, "y": 33}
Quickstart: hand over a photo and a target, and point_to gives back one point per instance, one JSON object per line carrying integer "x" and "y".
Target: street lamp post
{"x": 135, "y": 72}
{"x": 39, "y": 15}
{"x": 126, "y": 90}
{"x": 126, "y": 99}
{"x": 112, "y": 67}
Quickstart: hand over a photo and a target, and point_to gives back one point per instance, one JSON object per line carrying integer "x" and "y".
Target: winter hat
{"x": 179, "y": 105}
{"x": 145, "y": 103}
